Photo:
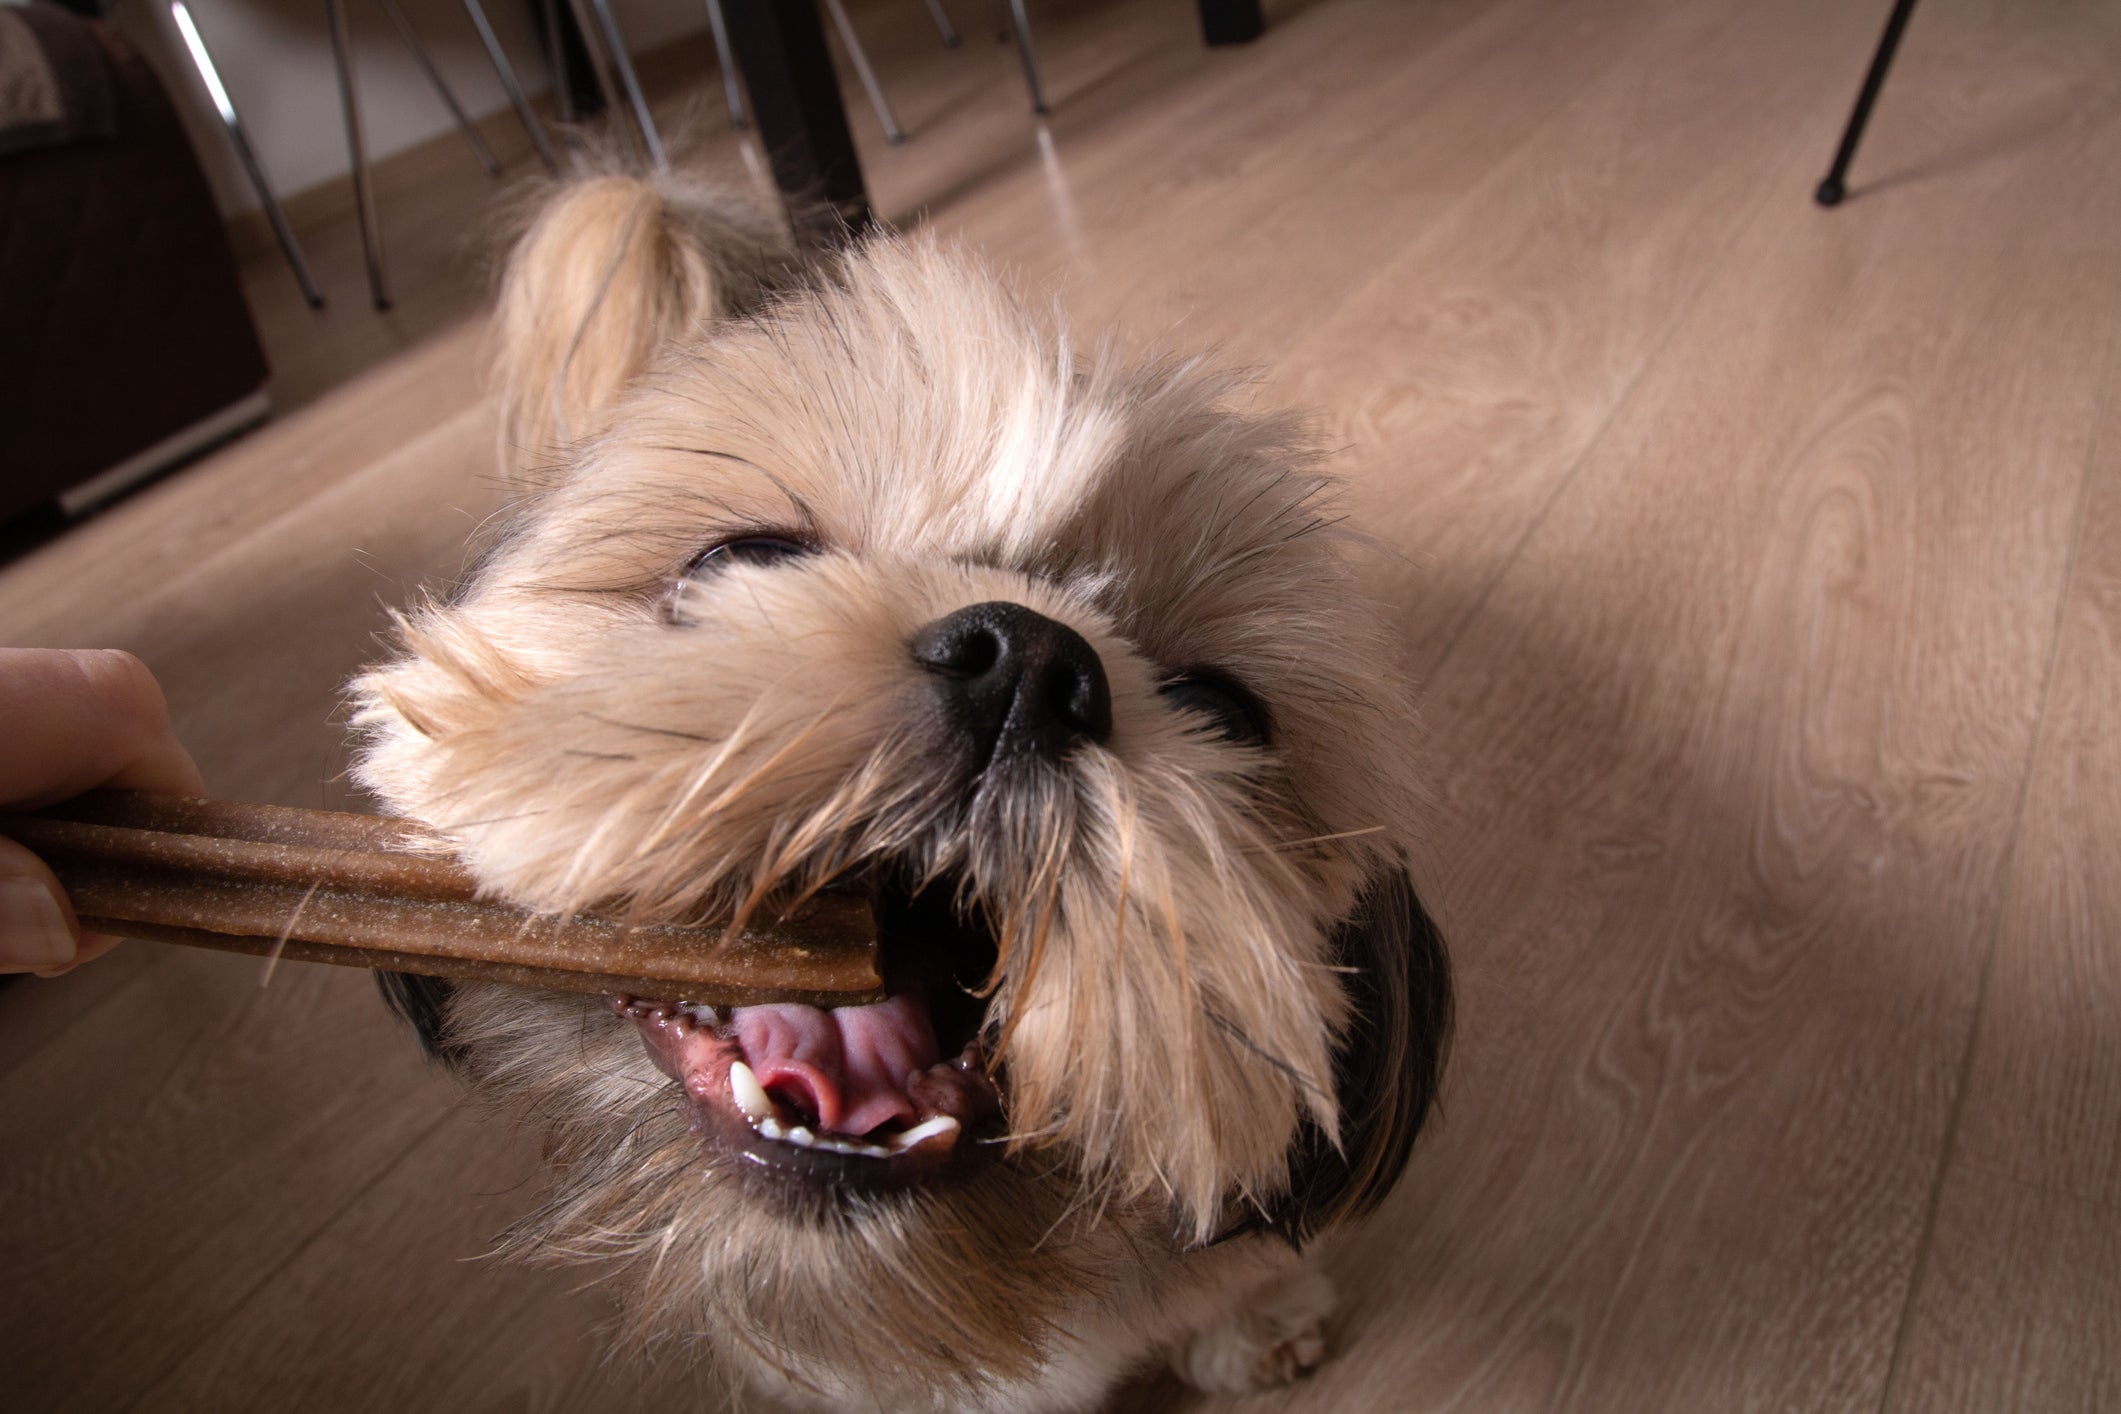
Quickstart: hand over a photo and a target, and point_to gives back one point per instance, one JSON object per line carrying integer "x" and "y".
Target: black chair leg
{"x": 1833, "y": 189}
{"x": 1231, "y": 21}
{"x": 795, "y": 104}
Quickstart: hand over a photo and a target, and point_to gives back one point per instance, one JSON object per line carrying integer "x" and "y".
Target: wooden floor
{"x": 1762, "y": 567}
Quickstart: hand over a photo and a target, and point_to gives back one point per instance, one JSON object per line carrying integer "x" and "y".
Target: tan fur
{"x": 604, "y": 279}
{"x": 585, "y": 725}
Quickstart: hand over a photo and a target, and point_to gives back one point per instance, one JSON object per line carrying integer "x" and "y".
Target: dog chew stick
{"x": 316, "y": 886}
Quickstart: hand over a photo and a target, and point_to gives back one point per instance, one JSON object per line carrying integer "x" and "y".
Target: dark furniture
{"x": 127, "y": 343}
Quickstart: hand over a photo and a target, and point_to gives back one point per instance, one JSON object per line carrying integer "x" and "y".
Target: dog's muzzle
{"x": 882, "y": 1095}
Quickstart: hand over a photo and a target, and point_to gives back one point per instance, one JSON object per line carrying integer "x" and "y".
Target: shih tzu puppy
{"x": 853, "y": 575}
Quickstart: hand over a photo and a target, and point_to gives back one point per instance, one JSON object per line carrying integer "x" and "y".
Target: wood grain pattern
{"x": 2018, "y": 1304}
{"x": 1517, "y": 323}
{"x": 228, "y": 1124}
{"x": 2024, "y": 1254}
{"x": 1773, "y": 722}
{"x": 518, "y": 1339}
{"x": 2045, "y": 1082}
{"x": 1287, "y": 174}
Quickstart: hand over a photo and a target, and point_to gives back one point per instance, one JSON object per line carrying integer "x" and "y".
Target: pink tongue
{"x": 849, "y": 1067}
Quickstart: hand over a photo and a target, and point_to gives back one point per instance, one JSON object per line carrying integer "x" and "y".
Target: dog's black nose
{"x": 1019, "y": 682}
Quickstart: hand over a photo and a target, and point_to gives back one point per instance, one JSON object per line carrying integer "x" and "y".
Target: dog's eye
{"x": 1235, "y": 714}
{"x": 749, "y": 550}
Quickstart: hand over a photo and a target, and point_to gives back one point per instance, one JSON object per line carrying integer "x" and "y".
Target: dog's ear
{"x": 610, "y": 271}
{"x": 423, "y": 1003}
{"x": 1386, "y": 1070}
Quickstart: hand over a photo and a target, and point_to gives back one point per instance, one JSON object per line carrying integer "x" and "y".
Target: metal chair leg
{"x": 364, "y": 190}
{"x": 943, "y": 26}
{"x": 732, "y": 90}
{"x": 855, "y": 52}
{"x": 411, "y": 38}
{"x": 1021, "y": 23}
{"x": 616, "y": 47}
{"x": 506, "y": 72}
{"x": 1833, "y": 189}
{"x": 556, "y": 49}
{"x": 238, "y": 139}
{"x": 593, "y": 47}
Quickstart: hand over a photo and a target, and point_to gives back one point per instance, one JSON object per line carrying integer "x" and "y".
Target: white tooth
{"x": 750, "y": 1096}
{"x": 941, "y": 1124}
{"x": 769, "y": 1127}
{"x": 802, "y": 1136}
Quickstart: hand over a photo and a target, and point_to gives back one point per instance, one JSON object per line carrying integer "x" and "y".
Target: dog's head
{"x": 863, "y": 580}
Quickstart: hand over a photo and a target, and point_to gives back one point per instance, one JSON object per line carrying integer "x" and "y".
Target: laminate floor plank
{"x": 229, "y": 1123}
{"x": 1245, "y": 217}
{"x": 2045, "y": 1079}
{"x": 1463, "y": 383}
{"x": 1729, "y": 761}
{"x": 2018, "y": 1307}
{"x": 2023, "y": 1254}
{"x": 494, "y": 1337}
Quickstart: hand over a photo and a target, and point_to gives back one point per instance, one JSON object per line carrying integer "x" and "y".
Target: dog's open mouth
{"x": 872, "y": 1096}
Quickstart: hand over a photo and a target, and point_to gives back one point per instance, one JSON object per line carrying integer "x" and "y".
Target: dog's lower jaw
{"x": 1235, "y": 1319}
{"x": 1003, "y": 1287}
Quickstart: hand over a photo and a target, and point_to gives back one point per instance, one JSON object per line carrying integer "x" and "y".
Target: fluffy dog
{"x": 851, "y": 574}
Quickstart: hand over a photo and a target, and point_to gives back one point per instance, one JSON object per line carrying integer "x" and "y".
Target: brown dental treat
{"x": 317, "y": 886}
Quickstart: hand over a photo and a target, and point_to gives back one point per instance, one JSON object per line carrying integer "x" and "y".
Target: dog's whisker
{"x": 650, "y": 729}
{"x": 1291, "y": 1073}
{"x": 735, "y": 791}
{"x": 834, "y": 818}
{"x": 704, "y": 772}
{"x": 444, "y": 824}
{"x": 1284, "y": 846}
{"x": 762, "y": 771}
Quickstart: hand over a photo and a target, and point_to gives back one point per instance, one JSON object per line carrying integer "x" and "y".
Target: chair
{"x": 349, "y": 99}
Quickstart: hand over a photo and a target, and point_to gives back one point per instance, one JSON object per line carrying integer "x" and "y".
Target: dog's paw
{"x": 1275, "y": 1335}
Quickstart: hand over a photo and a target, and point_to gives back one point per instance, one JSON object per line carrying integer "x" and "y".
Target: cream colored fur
{"x": 601, "y": 282}
{"x": 586, "y": 724}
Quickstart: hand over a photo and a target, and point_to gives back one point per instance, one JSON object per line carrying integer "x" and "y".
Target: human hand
{"x": 72, "y": 720}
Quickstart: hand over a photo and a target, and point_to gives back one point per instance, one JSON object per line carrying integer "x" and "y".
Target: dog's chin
{"x": 814, "y": 1103}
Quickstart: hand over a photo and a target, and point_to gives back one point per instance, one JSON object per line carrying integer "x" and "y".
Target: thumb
{"x": 37, "y": 928}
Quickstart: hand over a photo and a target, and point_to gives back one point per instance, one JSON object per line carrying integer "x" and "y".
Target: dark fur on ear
{"x": 423, "y": 1003}
{"x": 1386, "y": 1071}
